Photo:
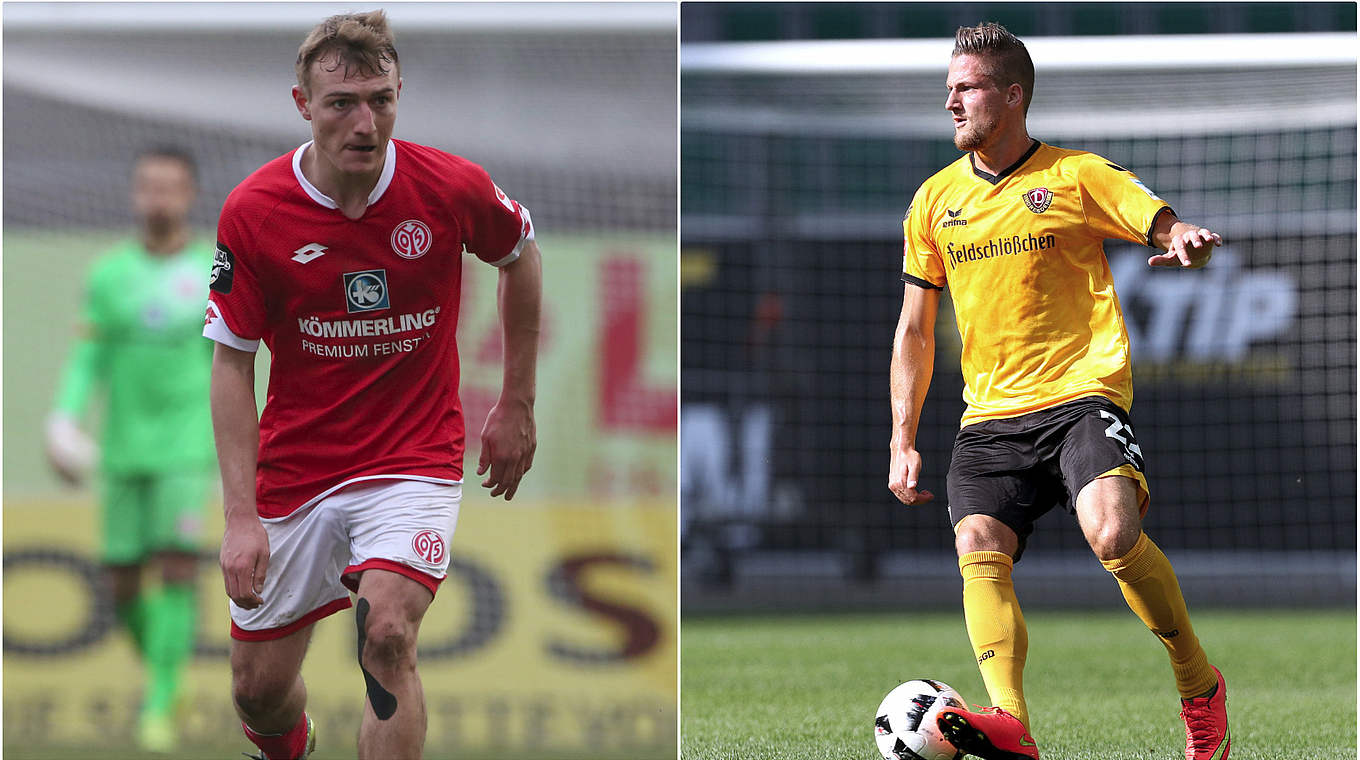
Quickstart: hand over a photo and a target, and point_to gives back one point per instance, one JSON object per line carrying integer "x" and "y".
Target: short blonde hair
{"x": 1007, "y": 60}
{"x": 361, "y": 43}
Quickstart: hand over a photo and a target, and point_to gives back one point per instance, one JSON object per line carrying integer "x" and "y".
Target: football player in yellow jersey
{"x": 1014, "y": 229}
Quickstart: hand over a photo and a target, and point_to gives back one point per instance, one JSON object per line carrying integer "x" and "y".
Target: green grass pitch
{"x": 1098, "y": 683}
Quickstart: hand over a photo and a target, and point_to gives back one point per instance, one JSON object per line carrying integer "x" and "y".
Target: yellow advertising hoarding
{"x": 554, "y": 633}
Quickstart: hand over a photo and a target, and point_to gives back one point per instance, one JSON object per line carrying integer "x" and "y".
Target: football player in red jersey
{"x": 344, "y": 256}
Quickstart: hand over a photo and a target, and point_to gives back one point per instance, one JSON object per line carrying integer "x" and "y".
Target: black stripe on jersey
{"x": 1004, "y": 172}
{"x": 1153, "y": 226}
{"x": 1117, "y": 167}
{"x": 920, "y": 283}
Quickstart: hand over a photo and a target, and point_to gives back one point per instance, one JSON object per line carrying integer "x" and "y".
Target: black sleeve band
{"x": 920, "y": 283}
{"x": 1153, "y": 226}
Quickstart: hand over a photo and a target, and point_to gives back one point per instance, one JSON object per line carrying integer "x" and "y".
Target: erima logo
{"x": 954, "y": 220}
{"x": 308, "y": 252}
{"x": 1171, "y": 634}
{"x": 366, "y": 291}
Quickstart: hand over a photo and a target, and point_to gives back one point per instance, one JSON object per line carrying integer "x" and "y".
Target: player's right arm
{"x": 235, "y": 321}
{"x": 236, "y": 429}
{"x": 913, "y": 363}
{"x": 913, "y": 359}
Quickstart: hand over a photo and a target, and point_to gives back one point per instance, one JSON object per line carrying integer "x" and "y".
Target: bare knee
{"x": 258, "y": 693}
{"x": 1112, "y": 540}
{"x": 980, "y": 533}
{"x": 1107, "y": 510}
{"x": 389, "y": 642}
{"x": 265, "y": 682}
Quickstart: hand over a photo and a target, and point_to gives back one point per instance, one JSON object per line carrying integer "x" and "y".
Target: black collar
{"x": 995, "y": 178}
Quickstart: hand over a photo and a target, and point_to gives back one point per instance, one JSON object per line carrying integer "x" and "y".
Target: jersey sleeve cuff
{"x": 526, "y": 236}
{"x": 920, "y": 283}
{"x": 216, "y": 329}
{"x": 1153, "y": 224}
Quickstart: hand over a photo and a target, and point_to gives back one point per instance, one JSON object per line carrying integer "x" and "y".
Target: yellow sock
{"x": 996, "y": 628}
{"x": 1150, "y": 587}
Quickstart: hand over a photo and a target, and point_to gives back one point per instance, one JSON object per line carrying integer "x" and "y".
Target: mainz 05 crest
{"x": 1038, "y": 200}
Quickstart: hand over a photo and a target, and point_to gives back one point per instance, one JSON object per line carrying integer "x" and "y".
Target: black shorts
{"x": 1018, "y": 468}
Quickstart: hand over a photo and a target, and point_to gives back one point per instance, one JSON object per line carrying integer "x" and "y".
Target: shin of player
{"x": 1015, "y": 230}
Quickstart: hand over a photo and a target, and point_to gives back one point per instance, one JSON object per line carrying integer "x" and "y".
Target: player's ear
{"x": 300, "y": 100}
{"x": 1015, "y": 95}
{"x": 399, "y": 81}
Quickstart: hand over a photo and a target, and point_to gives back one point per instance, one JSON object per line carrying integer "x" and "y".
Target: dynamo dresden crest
{"x": 411, "y": 239}
{"x": 1038, "y": 200}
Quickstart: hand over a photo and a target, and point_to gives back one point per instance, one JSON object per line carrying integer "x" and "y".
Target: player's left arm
{"x": 508, "y": 437}
{"x": 1185, "y": 245}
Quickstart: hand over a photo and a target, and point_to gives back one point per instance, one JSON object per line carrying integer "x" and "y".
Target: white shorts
{"x": 316, "y": 553}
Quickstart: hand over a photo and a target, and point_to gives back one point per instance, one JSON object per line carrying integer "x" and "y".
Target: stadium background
{"x": 803, "y": 138}
{"x": 556, "y": 631}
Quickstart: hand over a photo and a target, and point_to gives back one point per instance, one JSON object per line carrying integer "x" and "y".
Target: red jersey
{"x": 360, "y": 316}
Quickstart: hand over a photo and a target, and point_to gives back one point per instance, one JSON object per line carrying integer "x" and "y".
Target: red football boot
{"x": 1206, "y": 724}
{"x": 992, "y": 734}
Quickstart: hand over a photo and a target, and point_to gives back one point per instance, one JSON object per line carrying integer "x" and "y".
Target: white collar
{"x": 389, "y": 168}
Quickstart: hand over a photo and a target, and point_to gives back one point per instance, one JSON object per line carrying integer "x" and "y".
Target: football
{"x": 904, "y": 726}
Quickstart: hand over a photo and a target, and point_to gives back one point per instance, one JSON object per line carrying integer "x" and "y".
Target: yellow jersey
{"x": 1022, "y": 255}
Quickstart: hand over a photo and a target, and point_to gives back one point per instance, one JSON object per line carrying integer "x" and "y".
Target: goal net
{"x": 798, "y": 161}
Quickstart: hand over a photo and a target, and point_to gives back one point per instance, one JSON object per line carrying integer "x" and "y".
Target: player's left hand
{"x": 508, "y": 444}
{"x": 1189, "y": 250}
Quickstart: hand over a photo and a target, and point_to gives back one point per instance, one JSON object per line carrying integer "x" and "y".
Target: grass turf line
{"x": 1099, "y": 685}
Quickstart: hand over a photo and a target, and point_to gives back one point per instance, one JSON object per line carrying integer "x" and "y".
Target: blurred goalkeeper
{"x": 142, "y": 344}
{"x": 1014, "y": 229}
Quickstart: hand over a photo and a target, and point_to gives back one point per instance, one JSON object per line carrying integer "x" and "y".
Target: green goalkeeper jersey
{"x": 143, "y": 344}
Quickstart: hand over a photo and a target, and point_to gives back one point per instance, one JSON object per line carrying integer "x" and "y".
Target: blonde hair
{"x": 361, "y": 43}
{"x": 1007, "y": 60}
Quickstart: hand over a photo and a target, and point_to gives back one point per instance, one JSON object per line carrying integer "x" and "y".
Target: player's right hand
{"x": 245, "y": 560}
{"x": 904, "y": 474}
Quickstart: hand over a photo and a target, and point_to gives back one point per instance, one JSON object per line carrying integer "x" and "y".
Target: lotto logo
{"x": 366, "y": 291}
{"x": 429, "y": 546}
